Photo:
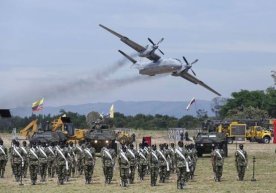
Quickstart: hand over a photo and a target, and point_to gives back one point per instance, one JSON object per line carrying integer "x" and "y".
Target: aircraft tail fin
{"x": 128, "y": 57}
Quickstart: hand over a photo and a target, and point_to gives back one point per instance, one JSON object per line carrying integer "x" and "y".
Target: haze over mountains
{"x": 176, "y": 109}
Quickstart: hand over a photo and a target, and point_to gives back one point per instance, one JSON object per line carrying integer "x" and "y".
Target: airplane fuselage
{"x": 162, "y": 66}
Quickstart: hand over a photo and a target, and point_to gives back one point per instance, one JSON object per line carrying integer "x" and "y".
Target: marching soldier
{"x": 132, "y": 157}
{"x": 163, "y": 163}
{"x": 25, "y": 157}
{"x": 217, "y": 157}
{"x": 89, "y": 163}
{"x": 154, "y": 165}
{"x": 108, "y": 160}
{"x": 3, "y": 158}
{"x": 241, "y": 161}
{"x": 182, "y": 166}
{"x": 62, "y": 163}
{"x": 73, "y": 158}
{"x": 124, "y": 165}
{"x": 169, "y": 160}
{"x": 193, "y": 156}
{"x": 43, "y": 161}
{"x": 17, "y": 160}
{"x": 142, "y": 162}
{"x": 50, "y": 152}
{"x": 33, "y": 162}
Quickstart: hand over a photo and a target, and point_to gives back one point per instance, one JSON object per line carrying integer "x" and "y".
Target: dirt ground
{"x": 203, "y": 181}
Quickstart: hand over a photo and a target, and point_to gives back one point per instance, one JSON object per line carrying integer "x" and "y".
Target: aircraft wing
{"x": 132, "y": 44}
{"x": 194, "y": 80}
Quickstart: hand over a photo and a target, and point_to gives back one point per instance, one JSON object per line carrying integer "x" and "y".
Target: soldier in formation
{"x": 108, "y": 161}
{"x": 51, "y": 154}
{"x": 73, "y": 159}
{"x": 124, "y": 166}
{"x": 192, "y": 160}
{"x": 182, "y": 166}
{"x": 89, "y": 162}
{"x": 142, "y": 162}
{"x": 154, "y": 165}
{"x": 241, "y": 162}
{"x": 43, "y": 161}
{"x": 25, "y": 157}
{"x": 163, "y": 163}
{"x": 217, "y": 157}
{"x": 3, "y": 158}
{"x": 17, "y": 161}
{"x": 132, "y": 157}
{"x": 61, "y": 163}
{"x": 33, "y": 160}
{"x": 78, "y": 150}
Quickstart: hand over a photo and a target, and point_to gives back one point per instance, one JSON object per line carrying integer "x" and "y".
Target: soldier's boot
{"x": 2, "y": 173}
{"x": 219, "y": 179}
{"x": 33, "y": 182}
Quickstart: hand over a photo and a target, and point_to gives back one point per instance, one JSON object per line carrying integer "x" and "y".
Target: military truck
{"x": 206, "y": 141}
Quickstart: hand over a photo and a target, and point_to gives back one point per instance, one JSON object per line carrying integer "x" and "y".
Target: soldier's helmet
{"x": 140, "y": 145}
{"x": 131, "y": 146}
{"x": 172, "y": 144}
{"x": 241, "y": 146}
{"x": 180, "y": 143}
{"x": 153, "y": 147}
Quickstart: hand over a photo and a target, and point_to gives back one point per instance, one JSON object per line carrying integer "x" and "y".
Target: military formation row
{"x": 67, "y": 160}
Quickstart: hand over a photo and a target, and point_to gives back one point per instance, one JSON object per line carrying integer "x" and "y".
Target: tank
{"x": 100, "y": 133}
{"x": 206, "y": 141}
{"x": 44, "y": 134}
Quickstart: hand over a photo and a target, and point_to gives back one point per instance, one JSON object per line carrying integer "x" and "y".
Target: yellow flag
{"x": 111, "y": 111}
{"x": 38, "y": 105}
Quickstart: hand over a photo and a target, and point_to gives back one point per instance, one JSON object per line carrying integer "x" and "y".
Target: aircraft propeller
{"x": 155, "y": 46}
{"x": 189, "y": 65}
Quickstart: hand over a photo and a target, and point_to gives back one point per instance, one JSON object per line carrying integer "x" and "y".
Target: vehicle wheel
{"x": 266, "y": 140}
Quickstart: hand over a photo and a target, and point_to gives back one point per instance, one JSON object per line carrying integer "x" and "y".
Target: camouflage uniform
{"x": 181, "y": 165}
{"x": 154, "y": 166}
{"x": 43, "y": 163}
{"x": 61, "y": 163}
{"x": 172, "y": 156}
{"x": 132, "y": 157}
{"x": 217, "y": 162}
{"x": 33, "y": 163}
{"x": 142, "y": 162}
{"x": 162, "y": 156}
{"x": 241, "y": 162}
{"x": 50, "y": 152}
{"x": 193, "y": 156}
{"x": 17, "y": 161}
{"x": 108, "y": 162}
{"x": 169, "y": 160}
{"x": 89, "y": 163}
{"x": 25, "y": 150}
{"x": 73, "y": 160}
{"x": 3, "y": 159}
{"x": 78, "y": 150}
{"x": 124, "y": 165}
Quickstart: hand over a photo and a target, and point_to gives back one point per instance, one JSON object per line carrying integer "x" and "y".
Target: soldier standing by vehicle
{"x": 217, "y": 157}
{"x": 17, "y": 160}
{"x": 241, "y": 161}
{"x": 43, "y": 161}
{"x": 132, "y": 157}
{"x": 164, "y": 164}
{"x": 50, "y": 152}
{"x": 25, "y": 150}
{"x": 108, "y": 160}
{"x": 124, "y": 166}
{"x": 33, "y": 162}
{"x": 154, "y": 165}
{"x": 89, "y": 162}
{"x": 3, "y": 158}
{"x": 142, "y": 162}
{"x": 182, "y": 166}
{"x": 62, "y": 163}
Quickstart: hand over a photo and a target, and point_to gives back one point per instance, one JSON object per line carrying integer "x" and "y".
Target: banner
{"x": 190, "y": 103}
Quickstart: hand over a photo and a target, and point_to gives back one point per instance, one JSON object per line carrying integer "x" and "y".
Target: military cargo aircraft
{"x": 159, "y": 65}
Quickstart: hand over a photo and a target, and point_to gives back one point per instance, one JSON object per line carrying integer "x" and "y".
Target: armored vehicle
{"x": 101, "y": 133}
{"x": 206, "y": 141}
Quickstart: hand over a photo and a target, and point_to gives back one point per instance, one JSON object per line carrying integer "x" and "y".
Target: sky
{"x": 55, "y": 49}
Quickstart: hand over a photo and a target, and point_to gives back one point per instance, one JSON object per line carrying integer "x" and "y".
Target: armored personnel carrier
{"x": 100, "y": 133}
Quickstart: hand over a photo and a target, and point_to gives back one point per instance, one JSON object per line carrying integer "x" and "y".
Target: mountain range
{"x": 176, "y": 109}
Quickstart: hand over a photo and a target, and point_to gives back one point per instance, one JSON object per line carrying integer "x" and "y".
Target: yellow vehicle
{"x": 233, "y": 131}
{"x": 258, "y": 134}
{"x": 30, "y": 129}
{"x": 124, "y": 136}
{"x": 64, "y": 124}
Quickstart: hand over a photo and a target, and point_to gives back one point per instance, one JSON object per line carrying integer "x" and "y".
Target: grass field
{"x": 203, "y": 181}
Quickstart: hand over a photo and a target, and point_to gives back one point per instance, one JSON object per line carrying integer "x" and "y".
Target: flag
{"x": 190, "y": 103}
{"x": 38, "y": 105}
{"x": 111, "y": 111}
